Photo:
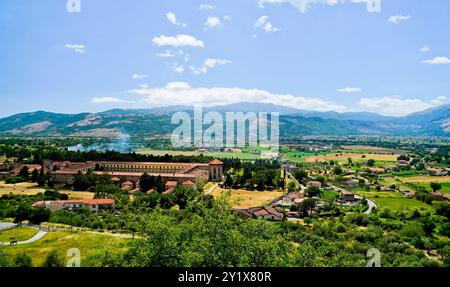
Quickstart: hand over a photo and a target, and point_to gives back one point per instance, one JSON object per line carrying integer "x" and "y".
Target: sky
{"x": 321, "y": 55}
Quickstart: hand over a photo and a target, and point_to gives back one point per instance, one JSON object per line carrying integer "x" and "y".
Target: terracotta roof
{"x": 116, "y": 179}
{"x": 169, "y": 191}
{"x": 99, "y": 202}
{"x": 171, "y": 183}
{"x": 188, "y": 183}
{"x": 216, "y": 162}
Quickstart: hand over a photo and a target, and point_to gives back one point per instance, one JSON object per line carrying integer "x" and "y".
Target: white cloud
{"x": 172, "y": 18}
{"x": 425, "y": 48}
{"x": 177, "y": 68}
{"x": 183, "y": 94}
{"x": 212, "y": 22}
{"x": 397, "y": 106}
{"x": 206, "y": 7}
{"x": 106, "y": 100}
{"x": 138, "y": 77}
{"x": 77, "y": 48}
{"x": 166, "y": 54}
{"x": 398, "y": 18}
{"x": 227, "y": 18}
{"x": 178, "y": 41}
{"x": 350, "y": 90}
{"x": 304, "y": 5}
{"x": 263, "y": 23}
{"x": 209, "y": 64}
{"x": 437, "y": 61}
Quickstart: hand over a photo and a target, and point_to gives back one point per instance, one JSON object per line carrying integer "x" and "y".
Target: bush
{"x": 53, "y": 260}
{"x": 23, "y": 260}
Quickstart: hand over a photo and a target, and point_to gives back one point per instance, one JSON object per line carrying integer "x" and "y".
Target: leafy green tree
{"x": 23, "y": 260}
{"x": 34, "y": 175}
{"x": 435, "y": 186}
{"x": 24, "y": 172}
{"x": 146, "y": 182}
{"x": 371, "y": 163}
{"x": 313, "y": 191}
{"x": 53, "y": 259}
{"x": 338, "y": 170}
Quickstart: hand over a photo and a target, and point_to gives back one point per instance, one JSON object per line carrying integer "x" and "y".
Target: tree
{"x": 338, "y": 170}
{"x": 435, "y": 186}
{"x": 34, "y": 175}
{"x": 23, "y": 260}
{"x": 313, "y": 191}
{"x": 228, "y": 181}
{"x": 24, "y": 172}
{"x": 39, "y": 215}
{"x": 80, "y": 181}
{"x": 146, "y": 182}
{"x": 307, "y": 205}
{"x": 183, "y": 195}
{"x": 371, "y": 163}
{"x": 53, "y": 260}
{"x": 300, "y": 175}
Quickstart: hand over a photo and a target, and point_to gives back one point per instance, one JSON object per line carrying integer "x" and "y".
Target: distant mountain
{"x": 293, "y": 122}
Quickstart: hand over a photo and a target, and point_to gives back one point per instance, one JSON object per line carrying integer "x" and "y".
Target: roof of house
{"x": 169, "y": 191}
{"x": 216, "y": 162}
{"x": 266, "y": 210}
{"x": 188, "y": 183}
{"x": 171, "y": 183}
{"x": 116, "y": 179}
{"x": 293, "y": 195}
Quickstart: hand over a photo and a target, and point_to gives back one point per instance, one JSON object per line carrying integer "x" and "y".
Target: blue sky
{"x": 310, "y": 54}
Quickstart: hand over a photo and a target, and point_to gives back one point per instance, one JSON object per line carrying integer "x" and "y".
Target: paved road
{"x": 35, "y": 238}
{"x": 212, "y": 188}
{"x": 7, "y": 225}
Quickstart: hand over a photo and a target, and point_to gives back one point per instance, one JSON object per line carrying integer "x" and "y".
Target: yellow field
{"x": 425, "y": 179}
{"x": 247, "y": 199}
{"x": 28, "y": 188}
{"x": 371, "y": 149}
{"x": 353, "y": 156}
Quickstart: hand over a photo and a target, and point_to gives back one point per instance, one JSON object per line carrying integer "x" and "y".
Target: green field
{"x": 400, "y": 203}
{"x": 19, "y": 234}
{"x": 393, "y": 200}
{"x": 445, "y": 187}
{"x": 91, "y": 246}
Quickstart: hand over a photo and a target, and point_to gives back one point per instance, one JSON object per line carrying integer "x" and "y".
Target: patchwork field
{"x": 445, "y": 187}
{"x": 425, "y": 179}
{"x": 28, "y": 188}
{"x": 90, "y": 245}
{"x": 247, "y": 199}
{"x": 371, "y": 149}
{"x": 20, "y": 234}
{"x": 356, "y": 157}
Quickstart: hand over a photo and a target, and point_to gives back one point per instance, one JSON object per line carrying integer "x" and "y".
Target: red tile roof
{"x": 216, "y": 162}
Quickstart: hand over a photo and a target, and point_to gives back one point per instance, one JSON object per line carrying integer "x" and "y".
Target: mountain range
{"x": 293, "y": 122}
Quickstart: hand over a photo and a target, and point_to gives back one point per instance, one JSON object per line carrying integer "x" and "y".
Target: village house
{"x": 292, "y": 198}
{"x": 438, "y": 196}
{"x": 314, "y": 184}
{"x": 266, "y": 212}
{"x": 352, "y": 183}
{"x": 94, "y": 205}
{"x": 348, "y": 196}
{"x": 437, "y": 171}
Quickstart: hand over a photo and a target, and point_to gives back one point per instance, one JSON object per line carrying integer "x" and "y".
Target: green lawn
{"x": 393, "y": 200}
{"x": 90, "y": 245}
{"x": 329, "y": 194}
{"x": 445, "y": 187}
{"x": 400, "y": 203}
{"x": 20, "y": 234}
